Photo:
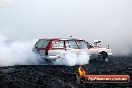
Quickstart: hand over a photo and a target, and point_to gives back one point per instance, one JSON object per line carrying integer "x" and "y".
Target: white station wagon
{"x": 54, "y": 48}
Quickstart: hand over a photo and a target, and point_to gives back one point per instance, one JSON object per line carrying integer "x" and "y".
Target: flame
{"x": 81, "y": 70}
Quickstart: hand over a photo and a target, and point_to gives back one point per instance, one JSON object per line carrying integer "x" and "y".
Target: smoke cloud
{"x": 4, "y": 3}
{"x": 23, "y": 20}
{"x": 71, "y": 59}
{"x": 20, "y": 53}
{"x": 17, "y": 52}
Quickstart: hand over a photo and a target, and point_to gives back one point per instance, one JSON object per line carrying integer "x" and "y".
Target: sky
{"x": 107, "y": 20}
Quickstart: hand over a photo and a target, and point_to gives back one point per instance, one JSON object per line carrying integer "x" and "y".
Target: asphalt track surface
{"x": 43, "y": 76}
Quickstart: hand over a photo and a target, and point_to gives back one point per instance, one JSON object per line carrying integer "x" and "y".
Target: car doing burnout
{"x": 56, "y": 48}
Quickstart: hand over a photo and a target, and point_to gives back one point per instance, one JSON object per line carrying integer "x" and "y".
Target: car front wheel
{"x": 102, "y": 57}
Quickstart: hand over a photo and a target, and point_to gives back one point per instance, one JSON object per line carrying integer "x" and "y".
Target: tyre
{"x": 102, "y": 57}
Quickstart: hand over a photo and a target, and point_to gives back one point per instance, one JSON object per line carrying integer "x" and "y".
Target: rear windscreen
{"x": 42, "y": 43}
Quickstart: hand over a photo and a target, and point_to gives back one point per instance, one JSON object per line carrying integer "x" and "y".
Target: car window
{"x": 89, "y": 45}
{"x": 82, "y": 44}
{"x": 42, "y": 43}
{"x": 71, "y": 44}
{"x": 58, "y": 44}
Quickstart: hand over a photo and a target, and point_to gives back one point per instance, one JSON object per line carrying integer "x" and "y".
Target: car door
{"x": 57, "y": 48}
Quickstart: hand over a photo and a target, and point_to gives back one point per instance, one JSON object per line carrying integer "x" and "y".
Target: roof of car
{"x": 62, "y": 39}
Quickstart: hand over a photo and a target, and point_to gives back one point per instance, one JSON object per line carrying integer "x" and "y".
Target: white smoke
{"x": 6, "y": 2}
{"x": 71, "y": 59}
{"x": 60, "y": 18}
{"x": 20, "y": 53}
{"x": 17, "y": 52}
